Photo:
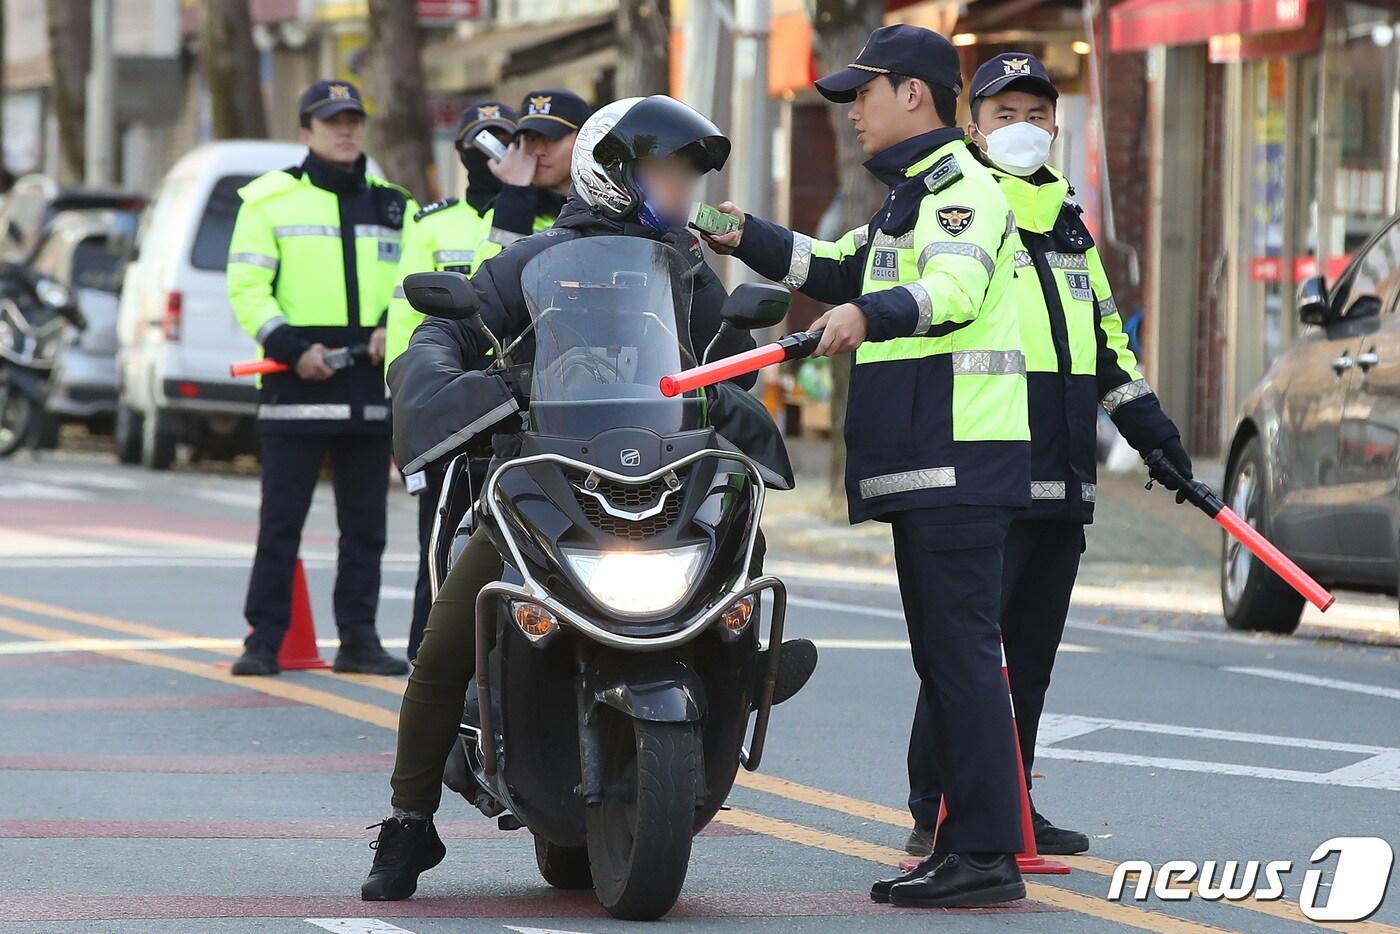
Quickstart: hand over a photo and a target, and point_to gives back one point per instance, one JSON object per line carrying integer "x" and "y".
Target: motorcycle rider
{"x": 636, "y": 168}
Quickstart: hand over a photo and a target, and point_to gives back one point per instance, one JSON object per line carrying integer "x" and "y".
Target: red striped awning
{"x": 1140, "y": 24}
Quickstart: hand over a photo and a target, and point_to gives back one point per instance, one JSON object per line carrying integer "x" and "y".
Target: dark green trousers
{"x": 437, "y": 688}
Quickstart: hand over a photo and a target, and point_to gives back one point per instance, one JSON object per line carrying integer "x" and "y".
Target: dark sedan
{"x": 1313, "y": 462}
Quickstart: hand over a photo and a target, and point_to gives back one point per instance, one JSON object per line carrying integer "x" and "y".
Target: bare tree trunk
{"x": 70, "y": 53}
{"x": 839, "y": 30}
{"x": 644, "y": 44}
{"x": 401, "y": 129}
{"x": 4, "y": 169}
{"x": 231, "y": 70}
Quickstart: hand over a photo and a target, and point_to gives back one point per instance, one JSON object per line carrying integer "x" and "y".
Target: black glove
{"x": 1176, "y": 457}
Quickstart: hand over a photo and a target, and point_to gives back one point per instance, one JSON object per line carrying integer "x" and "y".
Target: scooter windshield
{"x": 611, "y": 317}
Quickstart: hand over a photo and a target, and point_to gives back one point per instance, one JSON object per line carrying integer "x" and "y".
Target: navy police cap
{"x": 483, "y": 114}
{"x": 911, "y": 51}
{"x": 1020, "y": 71}
{"x": 553, "y": 113}
{"x": 325, "y": 99}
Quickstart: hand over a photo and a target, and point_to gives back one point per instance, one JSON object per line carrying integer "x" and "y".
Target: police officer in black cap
{"x": 936, "y": 429}
{"x": 312, "y": 263}
{"x": 540, "y": 157}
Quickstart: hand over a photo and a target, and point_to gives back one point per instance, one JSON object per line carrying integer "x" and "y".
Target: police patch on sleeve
{"x": 955, "y": 219}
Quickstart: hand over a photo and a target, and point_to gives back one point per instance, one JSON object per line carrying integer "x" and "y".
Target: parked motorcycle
{"x": 617, "y": 658}
{"x": 34, "y": 310}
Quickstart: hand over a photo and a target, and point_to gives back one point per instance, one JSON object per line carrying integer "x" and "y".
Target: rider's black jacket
{"x": 443, "y": 398}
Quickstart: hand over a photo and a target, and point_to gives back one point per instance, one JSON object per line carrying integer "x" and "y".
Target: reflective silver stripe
{"x": 921, "y": 298}
{"x": 504, "y": 237}
{"x": 861, "y": 235}
{"x": 1047, "y": 489}
{"x": 1108, "y": 307}
{"x": 306, "y": 230}
{"x": 800, "y": 266}
{"x": 268, "y": 326}
{"x": 398, "y": 291}
{"x": 970, "y": 250}
{"x": 903, "y": 242}
{"x": 454, "y": 256}
{"x": 1088, "y": 492}
{"x": 1010, "y": 225}
{"x": 324, "y": 413}
{"x": 1125, "y": 393}
{"x": 1067, "y": 260}
{"x": 254, "y": 259}
{"x": 507, "y": 407}
{"x": 376, "y": 413}
{"x": 930, "y": 478}
{"x": 374, "y": 230}
{"x": 988, "y": 362}
{"x": 1023, "y": 259}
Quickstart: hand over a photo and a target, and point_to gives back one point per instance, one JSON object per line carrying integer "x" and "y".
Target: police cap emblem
{"x": 539, "y": 104}
{"x": 338, "y": 92}
{"x": 488, "y": 112}
{"x": 1016, "y": 66}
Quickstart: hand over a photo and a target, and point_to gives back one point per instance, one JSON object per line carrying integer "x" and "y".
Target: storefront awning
{"x": 1140, "y": 24}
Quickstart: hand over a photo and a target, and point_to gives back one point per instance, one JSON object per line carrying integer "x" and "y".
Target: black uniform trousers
{"x": 950, "y": 570}
{"x": 291, "y": 465}
{"x": 1042, "y": 561}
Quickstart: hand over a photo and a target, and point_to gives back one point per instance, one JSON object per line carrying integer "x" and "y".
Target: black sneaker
{"x": 254, "y": 662}
{"x": 880, "y": 891}
{"x": 920, "y": 842}
{"x": 368, "y": 660}
{"x": 1054, "y": 841}
{"x": 961, "y": 880}
{"x": 404, "y": 850}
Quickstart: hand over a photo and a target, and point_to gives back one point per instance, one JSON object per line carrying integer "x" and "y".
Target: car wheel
{"x": 157, "y": 443}
{"x": 1254, "y": 597}
{"x": 127, "y": 434}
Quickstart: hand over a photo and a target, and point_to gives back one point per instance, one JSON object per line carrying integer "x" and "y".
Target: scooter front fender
{"x": 645, "y": 689}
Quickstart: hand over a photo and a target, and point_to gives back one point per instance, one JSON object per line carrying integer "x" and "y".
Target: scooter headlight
{"x": 637, "y": 583}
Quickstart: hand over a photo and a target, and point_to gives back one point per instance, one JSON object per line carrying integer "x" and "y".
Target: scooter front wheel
{"x": 639, "y": 836}
{"x": 16, "y": 419}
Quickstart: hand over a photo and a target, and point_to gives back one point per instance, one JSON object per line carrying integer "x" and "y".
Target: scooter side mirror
{"x": 442, "y": 295}
{"x": 756, "y": 305}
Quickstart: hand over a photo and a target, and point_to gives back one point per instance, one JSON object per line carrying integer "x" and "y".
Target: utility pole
{"x": 751, "y": 163}
{"x": 100, "y": 170}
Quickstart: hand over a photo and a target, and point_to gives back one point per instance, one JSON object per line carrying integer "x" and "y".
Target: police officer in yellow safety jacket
{"x": 1077, "y": 360}
{"x": 313, "y": 260}
{"x": 460, "y": 235}
{"x": 936, "y": 431}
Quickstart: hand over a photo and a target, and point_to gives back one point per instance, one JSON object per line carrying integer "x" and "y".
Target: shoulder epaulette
{"x": 433, "y": 208}
{"x": 269, "y": 184}
{"x": 945, "y": 172}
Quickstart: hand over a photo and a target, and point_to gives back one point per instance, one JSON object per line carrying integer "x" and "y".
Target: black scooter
{"x": 617, "y": 658}
{"x": 34, "y": 310}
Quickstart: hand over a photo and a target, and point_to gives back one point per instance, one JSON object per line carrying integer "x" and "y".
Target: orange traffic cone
{"x": 299, "y": 651}
{"x": 1029, "y": 861}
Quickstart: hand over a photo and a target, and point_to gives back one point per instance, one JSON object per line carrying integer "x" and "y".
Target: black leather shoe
{"x": 368, "y": 660}
{"x": 880, "y": 891}
{"x": 1054, "y": 841}
{"x": 404, "y": 850}
{"x": 963, "y": 880}
{"x": 253, "y": 662}
{"x": 920, "y": 842}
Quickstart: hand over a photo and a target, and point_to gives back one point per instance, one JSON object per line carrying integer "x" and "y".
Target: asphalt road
{"x": 144, "y": 789}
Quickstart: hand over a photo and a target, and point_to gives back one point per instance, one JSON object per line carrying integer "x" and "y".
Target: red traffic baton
{"x": 337, "y": 359}
{"x": 789, "y": 347}
{"x": 1204, "y": 498}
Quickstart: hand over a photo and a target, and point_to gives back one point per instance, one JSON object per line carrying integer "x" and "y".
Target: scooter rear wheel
{"x": 639, "y": 837}
{"x": 17, "y": 413}
{"x": 564, "y": 867}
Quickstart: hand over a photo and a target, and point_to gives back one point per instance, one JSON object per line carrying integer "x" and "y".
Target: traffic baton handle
{"x": 789, "y": 347}
{"x": 1204, "y": 498}
{"x": 337, "y": 359}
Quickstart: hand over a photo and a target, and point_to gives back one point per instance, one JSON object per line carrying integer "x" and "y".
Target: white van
{"x": 177, "y": 333}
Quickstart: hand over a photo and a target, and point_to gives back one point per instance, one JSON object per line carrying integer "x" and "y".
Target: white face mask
{"x": 1021, "y": 148}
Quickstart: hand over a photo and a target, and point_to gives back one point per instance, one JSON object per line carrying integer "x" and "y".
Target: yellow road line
{"x": 1079, "y": 903}
{"x": 379, "y": 716}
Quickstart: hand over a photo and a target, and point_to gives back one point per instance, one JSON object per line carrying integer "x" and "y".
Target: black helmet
{"x": 612, "y": 141}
